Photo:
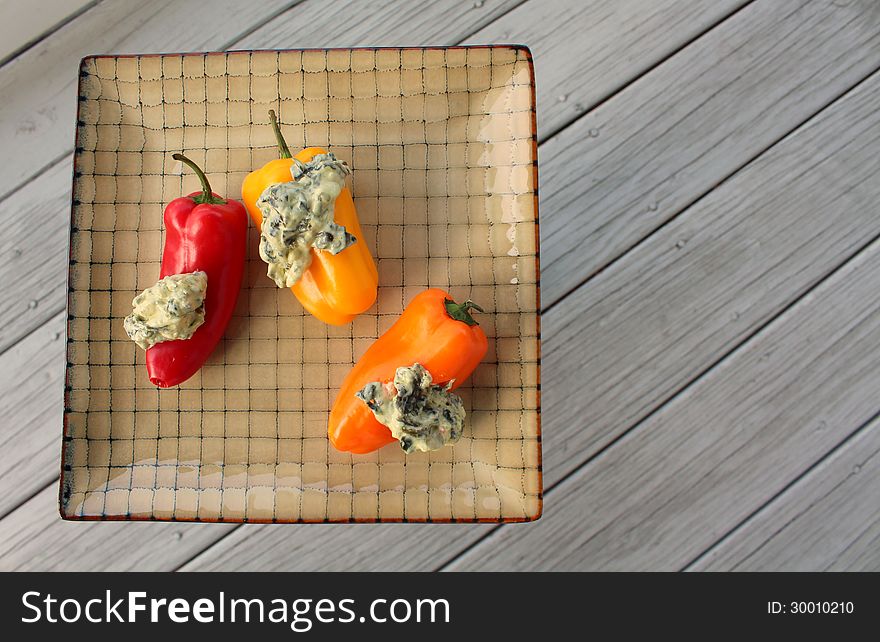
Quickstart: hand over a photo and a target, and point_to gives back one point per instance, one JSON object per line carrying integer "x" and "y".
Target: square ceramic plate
{"x": 442, "y": 146}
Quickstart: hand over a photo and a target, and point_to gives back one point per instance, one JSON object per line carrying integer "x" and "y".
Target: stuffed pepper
{"x": 401, "y": 389}
{"x": 180, "y": 319}
{"x": 310, "y": 236}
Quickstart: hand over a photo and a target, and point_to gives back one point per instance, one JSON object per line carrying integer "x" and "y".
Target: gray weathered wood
{"x": 34, "y": 296}
{"x": 828, "y": 520}
{"x": 377, "y": 24}
{"x": 619, "y": 347}
{"x": 31, "y": 408}
{"x": 591, "y": 49}
{"x": 348, "y": 547}
{"x": 20, "y": 25}
{"x": 33, "y": 537}
{"x": 640, "y": 158}
{"x": 729, "y": 443}
{"x": 38, "y": 111}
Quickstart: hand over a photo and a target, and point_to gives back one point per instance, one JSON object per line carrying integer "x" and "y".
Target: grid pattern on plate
{"x": 441, "y": 144}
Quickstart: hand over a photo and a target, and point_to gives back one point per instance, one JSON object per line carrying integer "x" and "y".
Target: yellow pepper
{"x": 335, "y": 287}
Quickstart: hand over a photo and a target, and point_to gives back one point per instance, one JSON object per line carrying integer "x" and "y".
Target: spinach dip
{"x": 421, "y": 416}
{"x": 298, "y": 216}
{"x": 172, "y": 309}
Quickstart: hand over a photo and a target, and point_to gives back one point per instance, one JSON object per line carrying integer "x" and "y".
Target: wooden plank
{"x": 38, "y": 111}
{"x": 349, "y": 547}
{"x": 376, "y": 24}
{"x": 673, "y": 135}
{"x": 729, "y": 443}
{"x": 31, "y": 406}
{"x": 21, "y": 26}
{"x": 640, "y": 331}
{"x": 829, "y": 520}
{"x": 33, "y": 537}
{"x": 33, "y": 296}
{"x": 585, "y": 51}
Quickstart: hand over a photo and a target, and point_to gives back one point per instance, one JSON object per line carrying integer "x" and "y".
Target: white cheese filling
{"x": 420, "y": 415}
{"x": 172, "y": 309}
{"x": 298, "y": 216}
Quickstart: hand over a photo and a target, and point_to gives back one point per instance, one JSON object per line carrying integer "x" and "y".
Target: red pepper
{"x": 202, "y": 232}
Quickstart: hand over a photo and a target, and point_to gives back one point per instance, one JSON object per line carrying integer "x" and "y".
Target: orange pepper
{"x": 434, "y": 331}
{"x": 335, "y": 287}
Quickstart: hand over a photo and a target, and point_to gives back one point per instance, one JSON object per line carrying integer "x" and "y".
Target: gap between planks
{"x": 21, "y": 29}
{"x": 739, "y": 548}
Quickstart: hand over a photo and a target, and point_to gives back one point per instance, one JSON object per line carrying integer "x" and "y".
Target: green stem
{"x": 207, "y": 196}
{"x": 283, "y": 149}
{"x": 459, "y": 311}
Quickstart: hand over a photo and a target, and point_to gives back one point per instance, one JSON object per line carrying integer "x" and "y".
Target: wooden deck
{"x": 710, "y": 281}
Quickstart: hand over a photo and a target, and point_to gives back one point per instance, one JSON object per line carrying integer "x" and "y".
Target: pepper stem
{"x": 283, "y": 149}
{"x": 207, "y": 196}
{"x": 459, "y": 311}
